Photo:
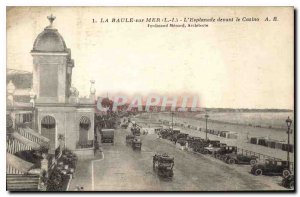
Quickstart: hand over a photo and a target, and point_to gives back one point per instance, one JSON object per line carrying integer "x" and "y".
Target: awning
{"x": 85, "y": 122}
{"x": 48, "y": 122}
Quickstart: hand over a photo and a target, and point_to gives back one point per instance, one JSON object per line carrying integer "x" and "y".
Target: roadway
{"x": 122, "y": 169}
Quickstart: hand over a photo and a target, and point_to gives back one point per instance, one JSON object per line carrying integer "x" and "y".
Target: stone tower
{"x": 52, "y": 66}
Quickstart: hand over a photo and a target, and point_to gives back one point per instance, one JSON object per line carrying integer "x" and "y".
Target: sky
{"x": 227, "y": 64}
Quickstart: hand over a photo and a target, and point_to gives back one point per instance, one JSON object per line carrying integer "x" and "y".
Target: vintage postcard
{"x": 150, "y": 99}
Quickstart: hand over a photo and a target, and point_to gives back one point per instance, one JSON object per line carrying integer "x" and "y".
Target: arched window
{"x": 48, "y": 130}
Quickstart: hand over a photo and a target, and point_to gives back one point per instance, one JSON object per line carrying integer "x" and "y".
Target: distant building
{"x": 22, "y": 81}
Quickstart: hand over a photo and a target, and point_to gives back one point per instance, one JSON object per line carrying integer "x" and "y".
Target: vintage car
{"x": 173, "y": 134}
{"x": 215, "y": 143}
{"x": 220, "y": 152}
{"x": 240, "y": 159}
{"x": 129, "y": 139}
{"x": 165, "y": 133}
{"x": 198, "y": 144}
{"x": 180, "y": 138}
{"x": 124, "y": 125}
{"x": 289, "y": 182}
{"x": 136, "y": 144}
{"x": 135, "y": 131}
{"x": 107, "y": 135}
{"x": 272, "y": 167}
{"x": 163, "y": 165}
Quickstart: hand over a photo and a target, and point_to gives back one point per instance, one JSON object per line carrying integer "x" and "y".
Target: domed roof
{"x": 49, "y": 40}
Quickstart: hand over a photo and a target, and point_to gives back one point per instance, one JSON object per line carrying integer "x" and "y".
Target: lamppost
{"x": 206, "y": 117}
{"x": 288, "y": 123}
{"x": 172, "y": 120}
{"x": 32, "y": 101}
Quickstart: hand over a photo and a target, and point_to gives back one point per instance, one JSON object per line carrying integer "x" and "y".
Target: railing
{"x": 85, "y": 144}
{"x": 260, "y": 156}
{"x": 13, "y": 146}
{"x": 31, "y": 135}
{"x": 12, "y": 170}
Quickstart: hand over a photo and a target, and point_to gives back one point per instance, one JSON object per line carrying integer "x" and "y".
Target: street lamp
{"x": 32, "y": 101}
{"x": 206, "y": 117}
{"x": 288, "y": 123}
{"x": 172, "y": 120}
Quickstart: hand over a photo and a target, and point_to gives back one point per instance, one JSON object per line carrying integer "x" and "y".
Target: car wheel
{"x": 258, "y": 172}
{"x": 205, "y": 151}
{"x": 286, "y": 173}
{"x": 291, "y": 185}
{"x": 231, "y": 161}
{"x": 252, "y": 162}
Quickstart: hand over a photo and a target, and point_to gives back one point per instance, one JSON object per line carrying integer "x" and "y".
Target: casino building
{"x": 57, "y": 112}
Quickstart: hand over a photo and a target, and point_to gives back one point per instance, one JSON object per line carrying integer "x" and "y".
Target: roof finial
{"x": 51, "y": 18}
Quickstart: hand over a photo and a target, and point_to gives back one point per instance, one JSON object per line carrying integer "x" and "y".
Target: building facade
{"x": 58, "y": 113}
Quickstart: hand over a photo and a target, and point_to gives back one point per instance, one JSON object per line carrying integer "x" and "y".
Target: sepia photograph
{"x": 151, "y": 99}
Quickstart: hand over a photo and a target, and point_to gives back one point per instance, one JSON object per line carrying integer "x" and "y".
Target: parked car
{"x": 107, "y": 135}
{"x": 136, "y": 144}
{"x": 272, "y": 167}
{"x": 240, "y": 159}
{"x": 219, "y": 152}
{"x": 124, "y": 125}
{"x": 163, "y": 165}
{"x": 289, "y": 182}
{"x": 181, "y": 138}
{"x": 135, "y": 131}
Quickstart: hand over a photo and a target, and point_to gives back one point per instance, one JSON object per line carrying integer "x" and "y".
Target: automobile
{"x": 136, "y": 131}
{"x": 181, "y": 138}
{"x": 240, "y": 159}
{"x": 165, "y": 133}
{"x": 272, "y": 167}
{"x": 215, "y": 143}
{"x": 136, "y": 144}
{"x": 163, "y": 165}
{"x": 225, "y": 150}
{"x": 107, "y": 136}
{"x": 219, "y": 152}
{"x": 289, "y": 182}
{"x": 129, "y": 139}
{"x": 173, "y": 134}
{"x": 199, "y": 145}
{"x": 124, "y": 125}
